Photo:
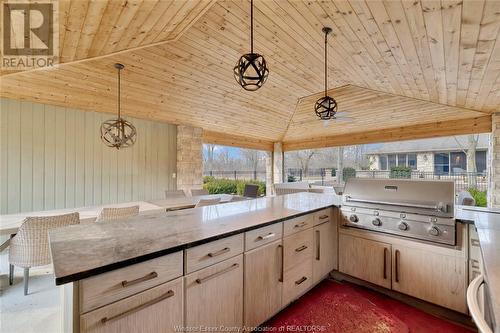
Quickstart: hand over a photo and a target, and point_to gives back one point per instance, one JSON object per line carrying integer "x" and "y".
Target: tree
{"x": 209, "y": 157}
{"x": 303, "y": 157}
{"x": 252, "y": 158}
{"x": 340, "y": 163}
{"x": 469, "y": 149}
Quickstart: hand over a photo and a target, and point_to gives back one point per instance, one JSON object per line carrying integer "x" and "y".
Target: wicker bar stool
{"x": 207, "y": 202}
{"x": 30, "y": 246}
{"x": 175, "y": 194}
{"x": 114, "y": 213}
{"x": 198, "y": 191}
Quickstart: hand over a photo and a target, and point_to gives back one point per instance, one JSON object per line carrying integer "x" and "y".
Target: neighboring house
{"x": 438, "y": 155}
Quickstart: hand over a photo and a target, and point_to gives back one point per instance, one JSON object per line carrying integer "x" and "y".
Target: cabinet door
{"x": 325, "y": 250}
{"x": 263, "y": 283}
{"x": 434, "y": 277}
{"x": 158, "y": 309}
{"x": 365, "y": 259}
{"x": 214, "y": 295}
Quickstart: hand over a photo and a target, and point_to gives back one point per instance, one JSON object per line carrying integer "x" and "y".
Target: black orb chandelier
{"x": 118, "y": 133}
{"x": 251, "y": 69}
{"x": 326, "y": 106}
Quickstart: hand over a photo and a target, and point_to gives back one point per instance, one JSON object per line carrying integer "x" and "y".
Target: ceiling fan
{"x": 339, "y": 117}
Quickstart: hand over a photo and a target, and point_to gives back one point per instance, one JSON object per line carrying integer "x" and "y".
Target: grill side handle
{"x": 440, "y": 207}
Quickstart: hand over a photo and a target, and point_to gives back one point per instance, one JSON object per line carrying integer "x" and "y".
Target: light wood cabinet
{"x": 208, "y": 254}
{"x": 214, "y": 295}
{"x": 297, "y": 249}
{"x": 325, "y": 250}
{"x": 297, "y": 281}
{"x": 434, "y": 277}
{"x": 365, "y": 259}
{"x": 263, "y": 283}
{"x": 158, "y": 309}
{"x": 109, "y": 287}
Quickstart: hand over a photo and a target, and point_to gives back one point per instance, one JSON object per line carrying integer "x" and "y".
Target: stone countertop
{"x": 83, "y": 251}
{"x": 487, "y": 222}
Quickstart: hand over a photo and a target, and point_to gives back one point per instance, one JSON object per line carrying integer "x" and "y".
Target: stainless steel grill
{"x": 421, "y": 209}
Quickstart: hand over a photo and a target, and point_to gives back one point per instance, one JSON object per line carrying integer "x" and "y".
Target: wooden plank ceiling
{"x": 397, "y": 63}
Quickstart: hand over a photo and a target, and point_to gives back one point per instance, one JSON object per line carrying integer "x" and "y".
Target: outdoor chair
{"x": 117, "y": 213}
{"x": 207, "y": 202}
{"x": 30, "y": 246}
{"x": 251, "y": 191}
{"x": 198, "y": 191}
{"x": 175, "y": 194}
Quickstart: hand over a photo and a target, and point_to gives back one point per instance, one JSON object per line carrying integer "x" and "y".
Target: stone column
{"x": 269, "y": 173}
{"x": 189, "y": 158}
{"x": 278, "y": 163}
{"x": 492, "y": 160}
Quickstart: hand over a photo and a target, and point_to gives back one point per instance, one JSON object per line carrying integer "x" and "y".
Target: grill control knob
{"x": 353, "y": 218}
{"x": 434, "y": 231}
{"x": 403, "y": 226}
{"x": 376, "y": 222}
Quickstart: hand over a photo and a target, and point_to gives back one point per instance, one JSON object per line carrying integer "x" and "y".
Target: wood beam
{"x": 421, "y": 131}
{"x": 236, "y": 141}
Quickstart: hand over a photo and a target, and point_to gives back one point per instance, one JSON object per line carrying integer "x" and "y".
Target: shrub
{"x": 221, "y": 186}
{"x": 231, "y": 186}
{"x": 208, "y": 179}
{"x": 400, "y": 172}
{"x": 241, "y": 186}
{"x": 291, "y": 179}
{"x": 334, "y": 172}
{"x": 348, "y": 172}
{"x": 479, "y": 196}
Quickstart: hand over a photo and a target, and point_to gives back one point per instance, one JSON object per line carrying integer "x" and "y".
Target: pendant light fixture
{"x": 326, "y": 107}
{"x": 251, "y": 70}
{"x": 118, "y": 133}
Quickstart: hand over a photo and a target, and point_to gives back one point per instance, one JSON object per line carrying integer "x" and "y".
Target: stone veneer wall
{"x": 425, "y": 162}
{"x": 493, "y": 158}
{"x": 189, "y": 158}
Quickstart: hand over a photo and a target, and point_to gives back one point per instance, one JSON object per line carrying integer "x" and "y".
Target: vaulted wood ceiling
{"x": 406, "y": 63}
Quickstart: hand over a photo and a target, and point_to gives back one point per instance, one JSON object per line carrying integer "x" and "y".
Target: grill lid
{"x": 428, "y": 197}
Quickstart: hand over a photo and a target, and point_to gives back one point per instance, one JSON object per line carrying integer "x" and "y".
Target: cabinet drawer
{"x": 297, "y": 224}
{"x": 156, "y": 310}
{"x": 297, "y": 281}
{"x": 297, "y": 248}
{"x": 109, "y": 287}
{"x": 262, "y": 236}
{"x": 323, "y": 216}
{"x": 211, "y": 253}
{"x": 214, "y": 295}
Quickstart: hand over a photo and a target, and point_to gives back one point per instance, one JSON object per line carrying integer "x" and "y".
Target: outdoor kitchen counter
{"x": 487, "y": 222}
{"x": 83, "y": 251}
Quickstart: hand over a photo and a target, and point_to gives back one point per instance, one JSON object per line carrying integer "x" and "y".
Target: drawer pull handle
{"x": 475, "y": 263}
{"x": 318, "y": 249}
{"x": 282, "y": 266}
{"x": 474, "y": 242}
{"x": 168, "y": 294}
{"x": 300, "y": 225}
{"x": 300, "y": 249}
{"x": 230, "y": 268}
{"x": 385, "y": 263}
{"x": 322, "y": 217}
{"x": 218, "y": 253}
{"x": 396, "y": 268}
{"x": 146, "y": 277}
{"x": 269, "y": 235}
{"x": 302, "y": 279}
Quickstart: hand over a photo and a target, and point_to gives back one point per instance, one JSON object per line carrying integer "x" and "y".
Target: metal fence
{"x": 237, "y": 175}
{"x": 327, "y": 176}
